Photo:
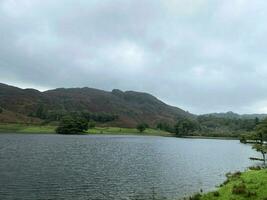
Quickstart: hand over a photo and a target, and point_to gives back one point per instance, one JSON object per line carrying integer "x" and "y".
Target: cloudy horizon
{"x": 200, "y": 55}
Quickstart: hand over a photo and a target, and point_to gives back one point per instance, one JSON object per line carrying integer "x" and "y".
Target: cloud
{"x": 201, "y": 55}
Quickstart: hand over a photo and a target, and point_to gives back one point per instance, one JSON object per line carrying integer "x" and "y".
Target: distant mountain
{"x": 232, "y": 115}
{"x": 27, "y": 105}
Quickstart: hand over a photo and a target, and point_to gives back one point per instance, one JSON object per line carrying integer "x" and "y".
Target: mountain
{"x": 131, "y": 108}
{"x": 232, "y": 115}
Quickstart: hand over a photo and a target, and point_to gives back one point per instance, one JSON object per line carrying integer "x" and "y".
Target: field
{"x": 127, "y": 131}
{"x": 24, "y": 128}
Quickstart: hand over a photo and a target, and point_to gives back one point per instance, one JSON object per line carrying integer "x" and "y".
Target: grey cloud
{"x": 202, "y": 56}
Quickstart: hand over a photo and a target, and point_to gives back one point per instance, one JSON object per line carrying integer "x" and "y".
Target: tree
{"x": 165, "y": 127}
{"x": 141, "y": 127}
{"x": 1, "y": 110}
{"x": 260, "y": 140}
{"x": 41, "y": 112}
{"x": 257, "y": 121}
{"x": 72, "y": 125}
{"x": 185, "y": 126}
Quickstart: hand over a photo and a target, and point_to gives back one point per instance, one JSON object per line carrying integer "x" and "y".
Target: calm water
{"x": 114, "y": 167}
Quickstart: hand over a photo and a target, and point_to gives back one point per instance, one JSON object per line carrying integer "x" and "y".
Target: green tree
{"x": 72, "y": 125}
{"x": 1, "y": 110}
{"x": 141, "y": 127}
{"x": 260, "y": 140}
{"x": 165, "y": 127}
{"x": 41, "y": 112}
{"x": 185, "y": 126}
{"x": 257, "y": 121}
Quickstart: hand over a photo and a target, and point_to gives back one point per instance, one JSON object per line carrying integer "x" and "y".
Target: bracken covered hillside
{"x": 23, "y": 105}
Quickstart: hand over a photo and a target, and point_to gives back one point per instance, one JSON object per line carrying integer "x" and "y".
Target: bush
{"x": 165, "y": 127}
{"x": 1, "y": 110}
{"x": 91, "y": 124}
{"x": 255, "y": 168}
{"x": 251, "y": 194}
{"x": 141, "y": 127}
{"x": 195, "y": 197}
{"x": 236, "y": 174}
{"x": 72, "y": 125}
{"x": 185, "y": 126}
{"x": 233, "y": 175}
{"x": 216, "y": 194}
{"x": 239, "y": 189}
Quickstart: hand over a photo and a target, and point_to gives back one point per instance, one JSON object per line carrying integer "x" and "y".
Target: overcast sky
{"x": 200, "y": 55}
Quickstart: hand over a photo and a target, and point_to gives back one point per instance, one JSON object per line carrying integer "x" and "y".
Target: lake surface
{"x": 114, "y": 167}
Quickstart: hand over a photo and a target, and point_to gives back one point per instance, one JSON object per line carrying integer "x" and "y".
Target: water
{"x": 114, "y": 167}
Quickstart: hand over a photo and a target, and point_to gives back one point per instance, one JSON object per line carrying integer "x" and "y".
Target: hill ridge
{"x": 131, "y": 107}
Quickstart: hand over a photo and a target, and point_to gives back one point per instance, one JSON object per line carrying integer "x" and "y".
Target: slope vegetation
{"x": 28, "y": 105}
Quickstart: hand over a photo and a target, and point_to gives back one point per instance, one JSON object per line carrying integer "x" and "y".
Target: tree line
{"x": 50, "y": 116}
{"x": 210, "y": 126}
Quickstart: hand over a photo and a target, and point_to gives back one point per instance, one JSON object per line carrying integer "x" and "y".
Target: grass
{"x": 24, "y": 128}
{"x": 251, "y": 184}
{"x": 127, "y": 131}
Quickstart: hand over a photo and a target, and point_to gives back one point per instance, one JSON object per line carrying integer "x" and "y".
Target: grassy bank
{"x": 251, "y": 184}
{"x": 212, "y": 137}
{"x": 127, "y": 131}
{"x": 24, "y": 128}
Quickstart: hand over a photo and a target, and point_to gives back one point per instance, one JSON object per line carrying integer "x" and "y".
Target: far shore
{"x": 50, "y": 129}
{"x": 211, "y": 137}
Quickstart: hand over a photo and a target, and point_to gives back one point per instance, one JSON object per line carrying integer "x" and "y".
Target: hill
{"x": 232, "y": 115}
{"x": 114, "y": 108}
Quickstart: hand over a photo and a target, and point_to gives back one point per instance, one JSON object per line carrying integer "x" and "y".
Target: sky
{"x": 200, "y": 55}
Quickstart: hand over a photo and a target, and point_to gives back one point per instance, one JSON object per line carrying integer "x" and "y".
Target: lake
{"x": 96, "y": 167}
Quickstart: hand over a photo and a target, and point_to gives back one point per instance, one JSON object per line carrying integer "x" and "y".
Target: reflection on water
{"x": 114, "y": 167}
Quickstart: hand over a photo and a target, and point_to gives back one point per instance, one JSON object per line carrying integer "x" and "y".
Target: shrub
{"x": 225, "y": 182}
{"x": 72, "y": 125}
{"x": 216, "y": 194}
{"x": 141, "y": 127}
{"x": 251, "y": 194}
{"x": 255, "y": 168}
{"x": 195, "y": 197}
{"x": 91, "y": 124}
{"x": 239, "y": 189}
{"x": 233, "y": 175}
{"x": 236, "y": 175}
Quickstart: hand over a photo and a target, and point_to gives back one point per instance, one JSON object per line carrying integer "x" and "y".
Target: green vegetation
{"x": 165, "y": 127}
{"x": 91, "y": 124}
{"x": 185, "y": 126}
{"x": 260, "y": 144}
{"x": 233, "y": 127}
{"x": 24, "y": 128}
{"x": 57, "y": 115}
{"x": 72, "y": 125}
{"x": 141, "y": 127}
{"x": 127, "y": 131}
{"x": 258, "y": 138}
{"x": 211, "y": 126}
{"x": 251, "y": 184}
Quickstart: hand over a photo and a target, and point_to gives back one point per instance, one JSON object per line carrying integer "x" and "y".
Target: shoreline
{"x": 50, "y": 129}
{"x": 250, "y": 184}
{"x": 211, "y": 137}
